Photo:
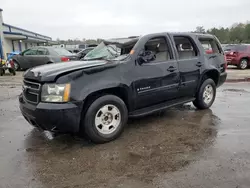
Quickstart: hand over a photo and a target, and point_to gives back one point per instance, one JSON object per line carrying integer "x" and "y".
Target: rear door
{"x": 157, "y": 80}
{"x": 190, "y": 64}
{"x": 41, "y": 57}
{"x": 216, "y": 56}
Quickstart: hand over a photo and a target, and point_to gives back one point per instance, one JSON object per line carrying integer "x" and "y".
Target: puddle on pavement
{"x": 150, "y": 146}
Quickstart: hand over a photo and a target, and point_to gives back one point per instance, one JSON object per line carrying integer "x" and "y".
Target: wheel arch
{"x": 15, "y": 60}
{"x": 245, "y": 57}
{"x": 213, "y": 74}
{"x": 120, "y": 91}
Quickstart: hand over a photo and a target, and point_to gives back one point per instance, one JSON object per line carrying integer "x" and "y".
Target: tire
{"x": 100, "y": 128}
{"x": 16, "y": 65}
{"x": 12, "y": 71}
{"x": 206, "y": 95}
{"x": 243, "y": 64}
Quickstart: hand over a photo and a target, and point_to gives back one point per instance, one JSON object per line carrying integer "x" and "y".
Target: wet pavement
{"x": 180, "y": 147}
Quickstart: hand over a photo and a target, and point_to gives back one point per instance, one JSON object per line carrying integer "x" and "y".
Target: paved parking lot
{"x": 181, "y": 147}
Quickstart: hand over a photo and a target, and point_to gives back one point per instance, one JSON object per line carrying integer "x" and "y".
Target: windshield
{"x": 108, "y": 52}
{"x": 62, "y": 51}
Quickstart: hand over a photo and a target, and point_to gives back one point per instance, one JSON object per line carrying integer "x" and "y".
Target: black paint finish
{"x": 145, "y": 86}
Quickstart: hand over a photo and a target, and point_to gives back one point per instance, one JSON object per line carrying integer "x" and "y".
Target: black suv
{"x": 121, "y": 78}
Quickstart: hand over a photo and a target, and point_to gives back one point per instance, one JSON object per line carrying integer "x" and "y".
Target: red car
{"x": 238, "y": 55}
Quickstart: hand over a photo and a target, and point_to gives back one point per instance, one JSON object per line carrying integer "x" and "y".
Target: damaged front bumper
{"x": 64, "y": 117}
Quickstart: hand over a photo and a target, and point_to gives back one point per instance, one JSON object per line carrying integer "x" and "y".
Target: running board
{"x": 159, "y": 107}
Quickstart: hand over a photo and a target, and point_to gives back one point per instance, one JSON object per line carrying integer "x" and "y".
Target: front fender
{"x": 101, "y": 86}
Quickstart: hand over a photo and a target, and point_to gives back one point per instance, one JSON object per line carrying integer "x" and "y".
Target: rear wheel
{"x": 12, "y": 71}
{"x": 206, "y": 95}
{"x": 105, "y": 119}
{"x": 243, "y": 64}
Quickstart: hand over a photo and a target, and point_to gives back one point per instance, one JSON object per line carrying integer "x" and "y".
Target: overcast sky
{"x": 66, "y": 19}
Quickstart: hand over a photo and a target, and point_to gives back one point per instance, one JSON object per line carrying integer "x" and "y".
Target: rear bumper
{"x": 52, "y": 117}
{"x": 222, "y": 79}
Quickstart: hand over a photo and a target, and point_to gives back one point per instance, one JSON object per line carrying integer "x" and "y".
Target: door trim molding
{"x": 159, "y": 88}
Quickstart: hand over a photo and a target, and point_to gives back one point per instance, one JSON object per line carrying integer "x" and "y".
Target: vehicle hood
{"x": 48, "y": 73}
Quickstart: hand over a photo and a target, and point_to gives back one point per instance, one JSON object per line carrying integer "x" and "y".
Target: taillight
{"x": 234, "y": 53}
{"x": 64, "y": 59}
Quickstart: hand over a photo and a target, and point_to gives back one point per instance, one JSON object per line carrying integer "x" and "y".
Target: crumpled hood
{"x": 50, "y": 72}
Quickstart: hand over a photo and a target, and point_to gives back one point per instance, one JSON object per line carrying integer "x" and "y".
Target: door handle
{"x": 213, "y": 56}
{"x": 199, "y": 64}
{"x": 171, "y": 69}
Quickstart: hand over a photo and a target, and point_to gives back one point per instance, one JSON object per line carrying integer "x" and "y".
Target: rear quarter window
{"x": 211, "y": 46}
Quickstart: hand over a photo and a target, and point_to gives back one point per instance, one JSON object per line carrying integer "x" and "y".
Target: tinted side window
{"x": 210, "y": 46}
{"x": 160, "y": 47}
{"x": 30, "y": 52}
{"x": 185, "y": 47}
{"x": 241, "y": 48}
{"x": 42, "y": 51}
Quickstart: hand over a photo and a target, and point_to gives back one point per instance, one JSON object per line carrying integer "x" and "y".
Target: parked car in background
{"x": 73, "y": 51}
{"x": 84, "y": 52}
{"x": 74, "y": 47}
{"x": 238, "y": 55}
{"x": 123, "y": 78}
{"x": 40, "y": 56}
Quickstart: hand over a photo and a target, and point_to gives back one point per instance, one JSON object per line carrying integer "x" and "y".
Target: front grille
{"x": 31, "y": 91}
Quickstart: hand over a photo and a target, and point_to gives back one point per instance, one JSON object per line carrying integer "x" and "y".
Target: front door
{"x": 189, "y": 63}
{"x": 158, "y": 79}
{"x": 26, "y": 58}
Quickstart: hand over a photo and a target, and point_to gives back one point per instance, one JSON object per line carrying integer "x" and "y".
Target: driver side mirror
{"x": 146, "y": 57}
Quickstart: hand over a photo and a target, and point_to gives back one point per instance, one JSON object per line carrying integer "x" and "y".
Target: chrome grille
{"x": 31, "y": 91}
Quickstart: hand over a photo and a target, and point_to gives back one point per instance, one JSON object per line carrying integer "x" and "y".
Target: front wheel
{"x": 243, "y": 64}
{"x": 105, "y": 119}
{"x": 206, "y": 95}
{"x": 16, "y": 65}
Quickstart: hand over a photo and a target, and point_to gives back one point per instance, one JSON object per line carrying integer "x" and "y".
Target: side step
{"x": 159, "y": 107}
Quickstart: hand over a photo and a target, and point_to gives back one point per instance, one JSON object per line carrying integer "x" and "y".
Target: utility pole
{"x": 2, "y": 55}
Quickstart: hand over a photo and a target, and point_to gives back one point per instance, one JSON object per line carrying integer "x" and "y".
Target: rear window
{"x": 82, "y": 46}
{"x": 61, "y": 51}
{"x": 210, "y": 46}
{"x": 236, "y": 48}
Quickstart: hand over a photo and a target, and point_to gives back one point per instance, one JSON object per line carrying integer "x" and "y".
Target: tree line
{"x": 237, "y": 33}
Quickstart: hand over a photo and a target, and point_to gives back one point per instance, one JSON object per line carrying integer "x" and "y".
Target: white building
{"x": 17, "y": 39}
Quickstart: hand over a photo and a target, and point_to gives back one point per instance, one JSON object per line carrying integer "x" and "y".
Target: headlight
{"x": 55, "y": 93}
